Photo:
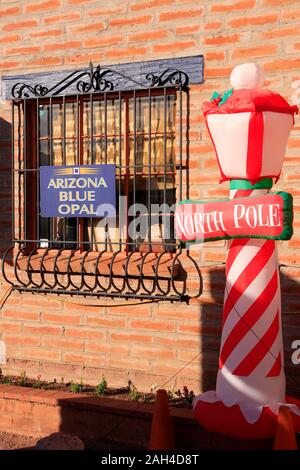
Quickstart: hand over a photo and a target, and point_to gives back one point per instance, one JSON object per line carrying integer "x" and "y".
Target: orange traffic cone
{"x": 285, "y": 438}
{"x": 162, "y": 436}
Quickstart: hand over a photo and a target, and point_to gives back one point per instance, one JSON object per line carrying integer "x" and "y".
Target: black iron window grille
{"x": 143, "y": 131}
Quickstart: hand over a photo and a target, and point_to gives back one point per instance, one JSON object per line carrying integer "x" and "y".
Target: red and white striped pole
{"x": 249, "y": 128}
{"x": 251, "y": 355}
{"x": 251, "y": 381}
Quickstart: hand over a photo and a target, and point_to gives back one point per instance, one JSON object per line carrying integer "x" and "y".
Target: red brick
{"x": 11, "y": 38}
{"x": 99, "y": 26}
{"x": 213, "y": 25}
{"x": 9, "y": 11}
{"x": 148, "y": 35}
{"x": 217, "y": 72}
{"x": 48, "y": 33}
{"x": 131, "y": 337}
{"x": 282, "y": 64}
{"x": 23, "y": 408}
{"x": 82, "y": 59}
{"x": 218, "y": 40}
{"x": 182, "y": 30}
{"x": 210, "y": 164}
{"x": 83, "y": 308}
{"x": 152, "y": 325}
{"x": 117, "y": 22}
{"x": 39, "y": 353}
{"x": 6, "y": 421}
{"x": 42, "y": 330}
{"x": 28, "y": 50}
{"x": 25, "y": 340}
{"x": 63, "y": 319}
{"x": 294, "y": 143}
{"x": 150, "y": 4}
{"x": 6, "y": 406}
{"x": 190, "y": 328}
{"x": 77, "y": 2}
{"x": 58, "y": 371}
{"x": 45, "y": 302}
{"x": 64, "y": 343}
{"x": 253, "y": 21}
{"x": 173, "y": 46}
{"x": 21, "y": 314}
{"x": 85, "y": 359}
{"x": 128, "y": 52}
{"x": 44, "y": 61}
{"x": 100, "y": 347}
{"x": 63, "y": 46}
{"x": 257, "y": 51}
{"x": 9, "y": 327}
{"x": 178, "y": 313}
{"x": 135, "y": 310}
{"x": 280, "y": 3}
{"x": 276, "y": 33}
{"x": 222, "y": 7}
{"x": 153, "y": 353}
{"x": 107, "y": 12}
{"x": 20, "y": 25}
{"x": 62, "y": 18}
{"x": 105, "y": 322}
{"x": 23, "y": 423}
{"x": 179, "y": 341}
{"x": 106, "y": 41}
{"x": 214, "y": 256}
{"x": 181, "y": 14}
{"x": 83, "y": 333}
{"x": 48, "y": 5}
{"x": 129, "y": 363}
{"x": 294, "y": 242}
{"x": 211, "y": 56}
{"x": 189, "y": 356}
{"x": 290, "y": 15}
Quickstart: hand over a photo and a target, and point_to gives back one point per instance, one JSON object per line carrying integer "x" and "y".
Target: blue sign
{"x": 77, "y": 191}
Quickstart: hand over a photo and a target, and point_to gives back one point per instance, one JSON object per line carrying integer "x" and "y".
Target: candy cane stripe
{"x": 252, "y": 315}
{"x": 253, "y": 358}
{"x": 247, "y": 276}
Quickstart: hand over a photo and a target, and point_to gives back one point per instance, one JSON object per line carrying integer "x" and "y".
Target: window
{"x": 134, "y": 131}
{"x": 142, "y": 130}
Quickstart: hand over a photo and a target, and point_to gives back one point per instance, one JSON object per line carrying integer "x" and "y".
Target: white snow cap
{"x": 247, "y": 76}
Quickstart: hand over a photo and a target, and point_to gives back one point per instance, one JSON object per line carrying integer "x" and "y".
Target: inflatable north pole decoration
{"x": 249, "y": 127}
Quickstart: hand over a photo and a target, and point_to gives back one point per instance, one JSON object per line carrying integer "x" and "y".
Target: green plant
{"x": 170, "y": 393}
{"x": 101, "y": 387}
{"x": 5, "y": 380}
{"x": 134, "y": 394}
{"x": 23, "y": 379}
{"x": 186, "y": 395}
{"x": 76, "y": 387}
{"x": 38, "y": 383}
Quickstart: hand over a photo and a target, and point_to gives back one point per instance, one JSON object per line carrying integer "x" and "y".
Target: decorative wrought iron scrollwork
{"x": 31, "y": 273}
{"x": 98, "y": 79}
{"x": 169, "y": 76}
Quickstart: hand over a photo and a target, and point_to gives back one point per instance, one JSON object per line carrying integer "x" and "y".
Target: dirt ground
{"x": 10, "y": 441}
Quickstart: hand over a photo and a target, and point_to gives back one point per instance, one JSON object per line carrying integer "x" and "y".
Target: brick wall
{"x": 152, "y": 341}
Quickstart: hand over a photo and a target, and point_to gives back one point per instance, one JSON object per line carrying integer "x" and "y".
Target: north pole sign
{"x": 269, "y": 216}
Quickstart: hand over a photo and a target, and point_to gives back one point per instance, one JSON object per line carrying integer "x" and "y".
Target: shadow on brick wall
{"x": 5, "y": 185}
{"x": 211, "y": 328}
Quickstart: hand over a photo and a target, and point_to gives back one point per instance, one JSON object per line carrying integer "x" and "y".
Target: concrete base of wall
{"x": 102, "y": 423}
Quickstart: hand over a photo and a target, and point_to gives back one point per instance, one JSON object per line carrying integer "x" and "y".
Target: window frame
{"x": 31, "y": 128}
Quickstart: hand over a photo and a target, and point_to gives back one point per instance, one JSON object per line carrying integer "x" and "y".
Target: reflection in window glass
{"x": 110, "y": 131}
